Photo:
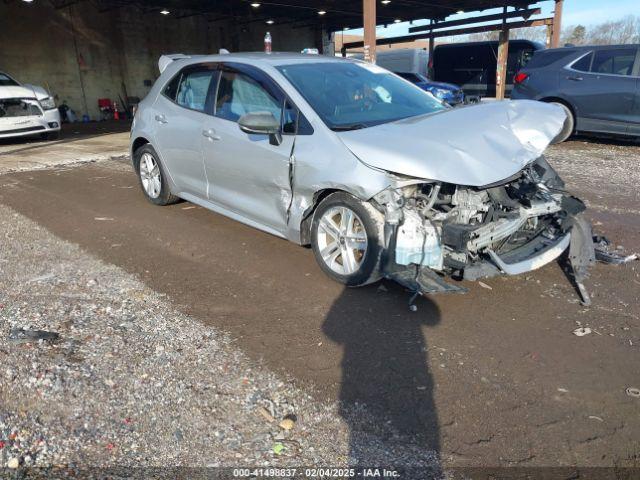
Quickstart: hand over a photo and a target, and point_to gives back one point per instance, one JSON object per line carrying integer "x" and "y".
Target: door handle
{"x": 575, "y": 79}
{"x": 210, "y": 134}
{"x": 161, "y": 119}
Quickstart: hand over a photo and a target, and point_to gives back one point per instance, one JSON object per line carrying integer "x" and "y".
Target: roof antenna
{"x": 223, "y": 51}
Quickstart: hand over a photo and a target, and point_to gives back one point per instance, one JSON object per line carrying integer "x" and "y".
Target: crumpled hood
{"x": 474, "y": 146}
{"x": 23, "y": 91}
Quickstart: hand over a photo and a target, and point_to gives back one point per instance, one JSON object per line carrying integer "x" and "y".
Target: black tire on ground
{"x": 373, "y": 222}
{"x": 569, "y": 124}
{"x": 165, "y": 197}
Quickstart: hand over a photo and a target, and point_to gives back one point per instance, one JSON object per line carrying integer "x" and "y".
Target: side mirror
{"x": 261, "y": 123}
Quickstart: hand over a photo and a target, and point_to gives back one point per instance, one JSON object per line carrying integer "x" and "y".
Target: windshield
{"x": 7, "y": 81}
{"x": 352, "y": 95}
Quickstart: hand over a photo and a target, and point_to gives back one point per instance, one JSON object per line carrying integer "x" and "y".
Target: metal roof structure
{"x": 339, "y": 14}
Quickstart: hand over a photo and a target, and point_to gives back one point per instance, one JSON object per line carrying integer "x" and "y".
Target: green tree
{"x": 578, "y": 35}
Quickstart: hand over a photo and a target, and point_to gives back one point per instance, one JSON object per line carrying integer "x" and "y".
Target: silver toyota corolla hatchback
{"x": 378, "y": 176}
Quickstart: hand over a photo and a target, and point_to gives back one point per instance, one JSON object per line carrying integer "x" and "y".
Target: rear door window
{"x": 617, "y": 61}
{"x": 194, "y": 86}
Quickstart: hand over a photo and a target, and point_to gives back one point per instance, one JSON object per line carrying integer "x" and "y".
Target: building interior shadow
{"x": 387, "y": 390}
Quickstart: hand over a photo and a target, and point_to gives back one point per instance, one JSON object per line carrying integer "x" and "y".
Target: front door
{"x": 247, "y": 174}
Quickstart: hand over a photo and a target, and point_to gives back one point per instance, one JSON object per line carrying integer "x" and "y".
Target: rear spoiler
{"x": 166, "y": 60}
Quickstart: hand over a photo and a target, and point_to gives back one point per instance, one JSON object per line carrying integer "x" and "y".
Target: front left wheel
{"x": 346, "y": 238}
{"x": 152, "y": 176}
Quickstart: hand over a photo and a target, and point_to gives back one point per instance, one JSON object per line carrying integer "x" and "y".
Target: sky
{"x": 585, "y": 12}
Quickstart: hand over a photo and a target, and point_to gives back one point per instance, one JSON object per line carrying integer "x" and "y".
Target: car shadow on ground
{"x": 385, "y": 370}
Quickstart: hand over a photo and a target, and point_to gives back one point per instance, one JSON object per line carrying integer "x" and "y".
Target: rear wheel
{"x": 346, "y": 238}
{"x": 569, "y": 124}
{"x": 152, "y": 176}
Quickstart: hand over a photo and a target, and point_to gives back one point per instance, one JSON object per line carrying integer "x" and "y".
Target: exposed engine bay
{"x": 433, "y": 230}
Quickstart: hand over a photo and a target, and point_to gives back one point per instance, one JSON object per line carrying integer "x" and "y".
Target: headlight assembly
{"x": 48, "y": 103}
{"x": 439, "y": 92}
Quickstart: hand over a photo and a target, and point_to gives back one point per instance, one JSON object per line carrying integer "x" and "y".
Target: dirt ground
{"x": 493, "y": 377}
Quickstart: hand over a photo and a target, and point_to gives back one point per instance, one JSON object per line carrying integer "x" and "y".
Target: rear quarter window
{"x": 171, "y": 89}
{"x": 584, "y": 64}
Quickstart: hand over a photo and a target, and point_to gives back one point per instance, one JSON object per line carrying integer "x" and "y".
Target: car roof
{"x": 484, "y": 43}
{"x": 581, "y": 48}
{"x": 274, "y": 58}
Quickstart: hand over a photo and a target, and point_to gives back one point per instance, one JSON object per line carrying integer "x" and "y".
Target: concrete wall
{"x": 106, "y": 53}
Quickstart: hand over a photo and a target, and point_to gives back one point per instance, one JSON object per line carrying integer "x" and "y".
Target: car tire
{"x": 152, "y": 177}
{"x": 569, "y": 124}
{"x": 340, "y": 226}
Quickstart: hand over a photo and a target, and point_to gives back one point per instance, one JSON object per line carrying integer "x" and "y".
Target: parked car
{"x": 412, "y": 65}
{"x": 379, "y": 177}
{"x": 26, "y": 110}
{"x": 472, "y": 65}
{"x": 598, "y": 87}
{"x": 451, "y": 94}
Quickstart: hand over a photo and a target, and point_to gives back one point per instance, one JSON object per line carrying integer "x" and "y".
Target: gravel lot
{"x": 133, "y": 382}
{"x": 180, "y": 344}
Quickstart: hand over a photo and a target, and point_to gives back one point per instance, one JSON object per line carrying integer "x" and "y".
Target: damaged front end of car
{"x": 435, "y": 230}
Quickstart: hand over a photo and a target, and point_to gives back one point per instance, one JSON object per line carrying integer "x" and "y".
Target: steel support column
{"x": 503, "y": 55}
{"x": 369, "y": 11}
{"x": 557, "y": 24}
{"x": 432, "y": 45}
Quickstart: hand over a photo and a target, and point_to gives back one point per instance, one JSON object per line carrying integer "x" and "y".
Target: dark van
{"x": 472, "y": 65}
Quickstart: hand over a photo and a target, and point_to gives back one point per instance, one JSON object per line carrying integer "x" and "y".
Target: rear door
{"x": 248, "y": 175}
{"x": 602, "y": 88}
{"x": 180, "y": 113}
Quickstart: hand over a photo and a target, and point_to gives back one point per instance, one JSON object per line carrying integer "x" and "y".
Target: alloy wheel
{"x": 150, "y": 175}
{"x": 342, "y": 240}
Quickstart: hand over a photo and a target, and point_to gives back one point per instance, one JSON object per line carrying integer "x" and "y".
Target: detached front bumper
{"x": 533, "y": 255}
{"x": 23, "y": 126}
{"x": 515, "y": 265}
